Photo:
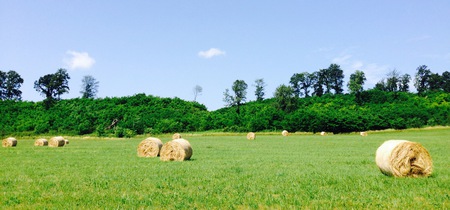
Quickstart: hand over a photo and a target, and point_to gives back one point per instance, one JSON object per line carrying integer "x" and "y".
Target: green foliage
{"x": 141, "y": 114}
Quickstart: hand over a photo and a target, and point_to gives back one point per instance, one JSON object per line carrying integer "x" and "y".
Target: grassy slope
{"x": 299, "y": 171}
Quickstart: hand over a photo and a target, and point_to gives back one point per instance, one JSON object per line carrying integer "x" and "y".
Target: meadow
{"x": 300, "y": 171}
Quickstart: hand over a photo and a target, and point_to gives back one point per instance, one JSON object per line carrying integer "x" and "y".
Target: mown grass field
{"x": 225, "y": 172}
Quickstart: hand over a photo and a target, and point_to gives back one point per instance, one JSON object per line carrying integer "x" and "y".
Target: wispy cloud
{"x": 374, "y": 72}
{"x": 211, "y": 53}
{"x": 78, "y": 60}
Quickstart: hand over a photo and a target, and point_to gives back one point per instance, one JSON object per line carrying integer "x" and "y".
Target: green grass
{"x": 225, "y": 172}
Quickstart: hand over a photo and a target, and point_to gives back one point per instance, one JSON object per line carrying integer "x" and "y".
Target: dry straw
{"x": 402, "y": 158}
{"x": 176, "y": 136}
{"x": 57, "y": 141}
{"x": 41, "y": 142}
{"x": 176, "y": 150}
{"x": 9, "y": 142}
{"x": 363, "y": 133}
{"x": 285, "y": 133}
{"x": 149, "y": 147}
{"x": 251, "y": 136}
{"x": 323, "y": 133}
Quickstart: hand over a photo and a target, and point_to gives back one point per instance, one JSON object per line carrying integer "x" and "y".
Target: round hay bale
{"x": 176, "y": 150}
{"x": 402, "y": 158}
{"x": 66, "y": 141}
{"x": 41, "y": 142}
{"x": 57, "y": 141}
{"x": 176, "y": 136}
{"x": 363, "y": 133}
{"x": 285, "y": 133}
{"x": 149, "y": 147}
{"x": 323, "y": 133}
{"x": 9, "y": 142}
{"x": 251, "y": 136}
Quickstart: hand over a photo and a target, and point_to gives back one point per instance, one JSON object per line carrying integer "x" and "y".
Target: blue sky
{"x": 166, "y": 48}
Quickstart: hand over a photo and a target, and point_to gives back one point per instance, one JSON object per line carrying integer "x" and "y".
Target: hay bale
{"x": 363, "y": 133}
{"x": 285, "y": 133}
{"x": 176, "y": 150}
{"x": 41, "y": 142}
{"x": 57, "y": 141}
{"x": 251, "y": 136}
{"x": 323, "y": 133}
{"x": 9, "y": 142}
{"x": 66, "y": 141}
{"x": 176, "y": 136}
{"x": 402, "y": 158}
{"x": 149, "y": 147}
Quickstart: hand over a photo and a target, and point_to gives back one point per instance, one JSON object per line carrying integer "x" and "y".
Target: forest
{"x": 388, "y": 105}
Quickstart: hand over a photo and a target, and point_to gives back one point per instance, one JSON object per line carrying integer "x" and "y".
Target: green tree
{"x": 240, "y": 91}
{"x": 421, "y": 80}
{"x": 302, "y": 82}
{"x": 52, "y": 86}
{"x": 446, "y": 81}
{"x": 392, "y": 81}
{"x": 435, "y": 82}
{"x": 404, "y": 83}
{"x": 89, "y": 87}
{"x": 335, "y": 77}
{"x": 318, "y": 85}
{"x": 10, "y": 83}
{"x": 357, "y": 79}
{"x": 259, "y": 92}
{"x": 285, "y": 98}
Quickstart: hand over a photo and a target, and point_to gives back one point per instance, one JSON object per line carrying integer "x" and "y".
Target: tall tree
{"x": 302, "y": 82}
{"x": 392, "y": 80}
{"x": 285, "y": 98}
{"x": 259, "y": 92}
{"x": 197, "y": 91}
{"x": 446, "y": 81}
{"x": 357, "y": 79}
{"x": 422, "y": 78}
{"x": 318, "y": 85}
{"x": 240, "y": 91}
{"x": 435, "y": 82}
{"x": 404, "y": 83}
{"x": 10, "y": 83}
{"x": 89, "y": 87}
{"x": 336, "y": 78}
{"x": 52, "y": 86}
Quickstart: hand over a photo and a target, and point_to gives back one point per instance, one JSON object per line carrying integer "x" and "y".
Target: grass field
{"x": 225, "y": 172}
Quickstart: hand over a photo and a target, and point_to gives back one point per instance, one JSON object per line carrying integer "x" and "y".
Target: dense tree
{"x": 302, "y": 82}
{"x": 446, "y": 81}
{"x": 336, "y": 78}
{"x": 259, "y": 91}
{"x": 392, "y": 81}
{"x": 10, "y": 83}
{"x": 404, "y": 83}
{"x": 421, "y": 80}
{"x": 285, "y": 98}
{"x": 435, "y": 82}
{"x": 318, "y": 85}
{"x": 357, "y": 79}
{"x": 89, "y": 87}
{"x": 52, "y": 86}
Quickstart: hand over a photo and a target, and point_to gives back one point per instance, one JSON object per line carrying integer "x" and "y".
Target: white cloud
{"x": 78, "y": 60}
{"x": 211, "y": 53}
{"x": 342, "y": 60}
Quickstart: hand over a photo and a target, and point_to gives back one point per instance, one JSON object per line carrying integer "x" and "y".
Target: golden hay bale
{"x": 176, "y": 136}
{"x": 41, "y": 142}
{"x": 323, "y": 133}
{"x": 251, "y": 136}
{"x": 9, "y": 142}
{"x": 149, "y": 147}
{"x": 402, "y": 158}
{"x": 363, "y": 133}
{"x": 57, "y": 141}
{"x": 177, "y": 149}
{"x": 285, "y": 133}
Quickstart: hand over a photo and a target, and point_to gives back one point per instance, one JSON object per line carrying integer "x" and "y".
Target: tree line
{"x": 311, "y": 102}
